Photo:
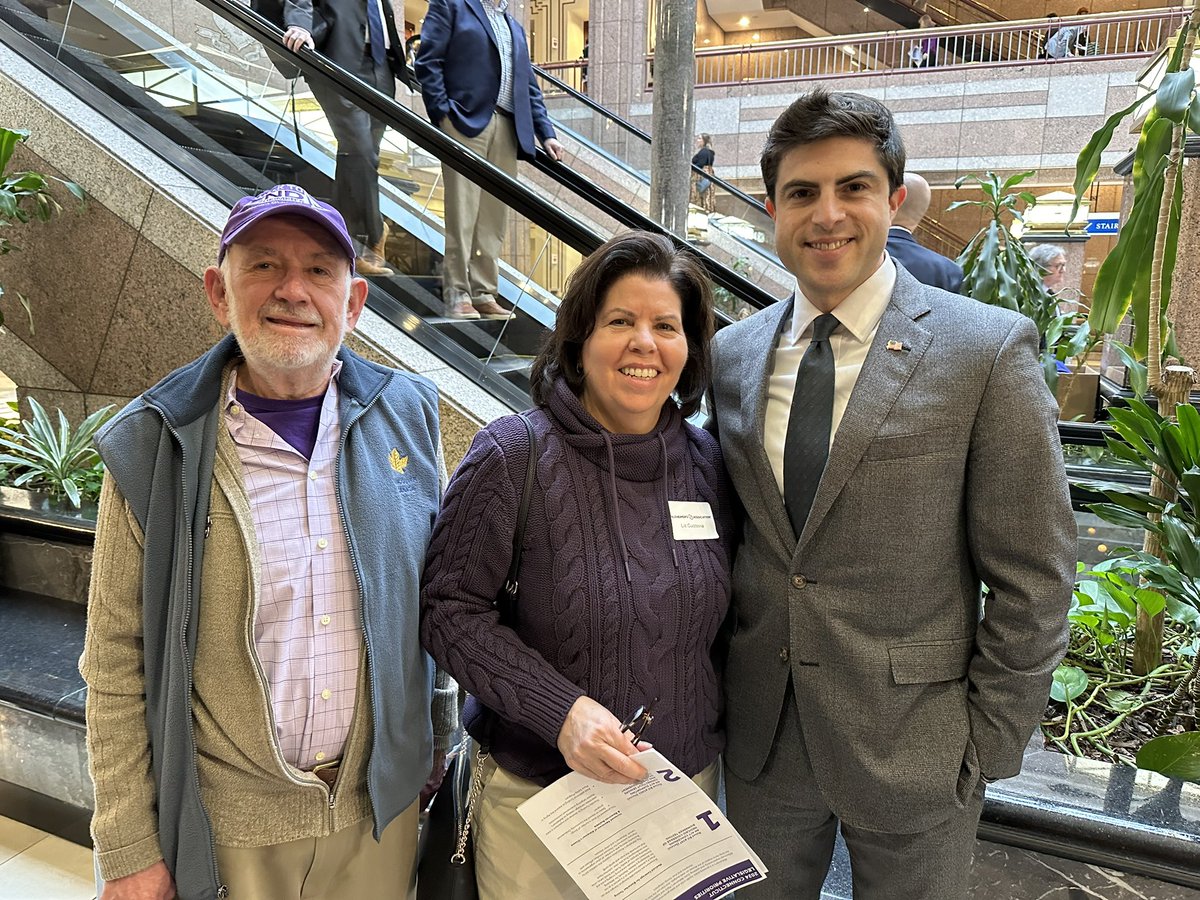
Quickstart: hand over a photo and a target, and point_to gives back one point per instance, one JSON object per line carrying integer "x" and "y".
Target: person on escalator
{"x": 479, "y": 87}
{"x": 703, "y": 191}
{"x": 362, "y": 39}
{"x": 621, "y": 601}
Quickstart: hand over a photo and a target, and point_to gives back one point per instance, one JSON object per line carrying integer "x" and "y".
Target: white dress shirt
{"x": 858, "y": 317}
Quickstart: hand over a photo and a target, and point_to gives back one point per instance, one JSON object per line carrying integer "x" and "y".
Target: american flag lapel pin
{"x": 896, "y": 346}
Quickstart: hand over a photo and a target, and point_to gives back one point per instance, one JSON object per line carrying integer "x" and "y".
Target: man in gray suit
{"x": 894, "y": 446}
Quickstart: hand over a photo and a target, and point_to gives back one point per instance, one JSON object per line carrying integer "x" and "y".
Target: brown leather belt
{"x": 327, "y": 772}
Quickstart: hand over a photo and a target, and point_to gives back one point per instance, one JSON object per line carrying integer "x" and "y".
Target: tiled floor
{"x": 35, "y": 865}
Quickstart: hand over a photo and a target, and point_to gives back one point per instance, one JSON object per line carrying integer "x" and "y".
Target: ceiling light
{"x": 744, "y": 21}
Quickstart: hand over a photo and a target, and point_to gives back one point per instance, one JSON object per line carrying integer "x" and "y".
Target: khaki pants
{"x": 475, "y": 219}
{"x": 510, "y": 862}
{"x": 347, "y": 863}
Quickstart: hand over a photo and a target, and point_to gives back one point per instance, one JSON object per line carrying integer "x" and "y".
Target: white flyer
{"x": 660, "y": 839}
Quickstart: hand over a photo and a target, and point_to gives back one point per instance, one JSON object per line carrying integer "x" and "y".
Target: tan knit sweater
{"x": 251, "y": 794}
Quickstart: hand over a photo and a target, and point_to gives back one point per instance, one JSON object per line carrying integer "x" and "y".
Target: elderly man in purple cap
{"x": 259, "y": 706}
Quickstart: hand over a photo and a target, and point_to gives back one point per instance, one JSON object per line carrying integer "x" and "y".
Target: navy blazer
{"x": 922, "y": 263}
{"x": 458, "y": 66}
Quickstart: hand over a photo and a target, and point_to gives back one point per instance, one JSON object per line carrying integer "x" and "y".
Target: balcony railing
{"x": 1000, "y": 44}
{"x": 1116, "y": 36}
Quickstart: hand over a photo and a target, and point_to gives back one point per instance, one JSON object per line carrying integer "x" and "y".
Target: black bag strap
{"x": 506, "y": 602}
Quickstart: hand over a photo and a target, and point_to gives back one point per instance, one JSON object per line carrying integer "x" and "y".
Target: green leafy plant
{"x": 24, "y": 196}
{"x": 1136, "y": 276}
{"x": 997, "y": 270}
{"x": 1117, "y": 594}
{"x": 58, "y": 460}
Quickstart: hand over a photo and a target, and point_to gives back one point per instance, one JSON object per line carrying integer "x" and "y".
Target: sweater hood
{"x": 640, "y": 458}
{"x": 636, "y": 457}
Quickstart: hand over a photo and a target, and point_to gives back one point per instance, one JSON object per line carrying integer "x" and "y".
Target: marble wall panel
{"x": 70, "y": 402}
{"x": 71, "y": 271}
{"x": 162, "y": 321}
{"x": 46, "y": 568}
{"x": 45, "y": 756}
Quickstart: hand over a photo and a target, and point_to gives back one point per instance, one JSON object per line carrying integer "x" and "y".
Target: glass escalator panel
{"x": 723, "y": 222}
{"x": 212, "y": 91}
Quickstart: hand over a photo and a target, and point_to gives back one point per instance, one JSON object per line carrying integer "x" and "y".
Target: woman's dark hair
{"x": 635, "y": 253}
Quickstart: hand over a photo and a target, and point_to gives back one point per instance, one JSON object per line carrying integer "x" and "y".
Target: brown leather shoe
{"x": 371, "y": 263}
{"x": 374, "y": 259}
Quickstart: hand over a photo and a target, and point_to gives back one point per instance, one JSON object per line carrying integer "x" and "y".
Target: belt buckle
{"x": 327, "y": 771}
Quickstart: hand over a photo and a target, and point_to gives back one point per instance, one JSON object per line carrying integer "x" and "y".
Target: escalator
{"x": 736, "y": 231}
{"x": 218, "y": 109}
{"x": 192, "y": 81}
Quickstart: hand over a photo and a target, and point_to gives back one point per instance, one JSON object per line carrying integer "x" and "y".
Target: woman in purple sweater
{"x": 615, "y": 611}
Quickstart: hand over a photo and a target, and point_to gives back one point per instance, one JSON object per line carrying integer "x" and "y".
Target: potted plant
{"x": 24, "y": 196}
{"x": 58, "y": 461}
{"x": 997, "y": 270}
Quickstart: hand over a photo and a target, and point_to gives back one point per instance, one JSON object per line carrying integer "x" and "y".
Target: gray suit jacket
{"x": 946, "y": 471}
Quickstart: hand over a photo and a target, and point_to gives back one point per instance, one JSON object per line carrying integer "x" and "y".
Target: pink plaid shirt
{"x": 308, "y": 622}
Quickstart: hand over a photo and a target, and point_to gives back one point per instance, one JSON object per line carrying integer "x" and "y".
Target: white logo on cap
{"x": 284, "y": 193}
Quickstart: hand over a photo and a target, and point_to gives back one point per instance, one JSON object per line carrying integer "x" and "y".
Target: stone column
{"x": 616, "y": 49}
{"x": 674, "y": 113}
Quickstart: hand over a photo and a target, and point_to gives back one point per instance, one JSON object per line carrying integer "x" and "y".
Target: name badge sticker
{"x": 692, "y": 521}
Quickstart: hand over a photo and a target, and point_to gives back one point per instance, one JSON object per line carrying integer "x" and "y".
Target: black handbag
{"x": 446, "y": 870}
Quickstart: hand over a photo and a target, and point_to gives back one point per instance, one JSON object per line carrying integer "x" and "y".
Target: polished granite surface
{"x": 40, "y": 642}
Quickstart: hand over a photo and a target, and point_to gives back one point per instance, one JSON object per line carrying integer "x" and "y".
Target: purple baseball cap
{"x": 284, "y": 199}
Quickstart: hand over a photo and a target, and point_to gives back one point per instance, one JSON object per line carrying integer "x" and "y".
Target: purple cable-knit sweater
{"x": 583, "y": 625}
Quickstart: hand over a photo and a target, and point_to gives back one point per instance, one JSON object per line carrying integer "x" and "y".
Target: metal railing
{"x": 1001, "y": 44}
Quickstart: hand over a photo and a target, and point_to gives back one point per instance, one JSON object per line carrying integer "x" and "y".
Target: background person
{"x": 704, "y": 192}
{"x": 1069, "y": 40}
{"x": 1052, "y": 260}
{"x": 479, "y": 87}
{"x": 289, "y": 759}
{"x": 870, "y": 425}
{"x": 924, "y": 52}
{"x": 614, "y": 612}
{"x": 378, "y": 61}
{"x": 922, "y": 263}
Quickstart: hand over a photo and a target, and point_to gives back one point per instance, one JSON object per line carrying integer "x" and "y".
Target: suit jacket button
{"x": 799, "y": 581}
{"x": 783, "y": 654}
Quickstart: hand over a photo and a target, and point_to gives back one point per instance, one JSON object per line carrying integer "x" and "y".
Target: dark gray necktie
{"x": 809, "y": 424}
{"x": 375, "y": 32}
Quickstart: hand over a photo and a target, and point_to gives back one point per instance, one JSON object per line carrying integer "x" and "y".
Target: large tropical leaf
{"x": 1173, "y": 755}
{"x": 1088, "y": 163}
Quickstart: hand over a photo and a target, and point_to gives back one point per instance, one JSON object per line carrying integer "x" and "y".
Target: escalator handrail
{"x": 643, "y": 136}
{"x": 508, "y": 189}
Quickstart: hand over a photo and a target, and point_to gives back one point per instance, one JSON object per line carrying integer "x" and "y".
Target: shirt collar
{"x": 859, "y": 313}
{"x": 500, "y": 6}
{"x": 231, "y": 389}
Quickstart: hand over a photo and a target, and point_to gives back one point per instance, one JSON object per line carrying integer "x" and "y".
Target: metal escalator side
{"x": 723, "y": 221}
{"x": 214, "y": 105}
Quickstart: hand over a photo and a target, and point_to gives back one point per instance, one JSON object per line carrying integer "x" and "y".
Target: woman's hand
{"x": 591, "y": 741}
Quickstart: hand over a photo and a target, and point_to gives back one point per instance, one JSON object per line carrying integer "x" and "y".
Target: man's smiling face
{"x": 832, "y": 210}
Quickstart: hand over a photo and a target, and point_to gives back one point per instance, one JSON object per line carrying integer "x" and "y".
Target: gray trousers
{"x": 358, "y": 135}
{"x": 784, "y": 817}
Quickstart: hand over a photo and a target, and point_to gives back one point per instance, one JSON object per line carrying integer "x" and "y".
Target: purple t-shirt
{"x": 296, "y": 421}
